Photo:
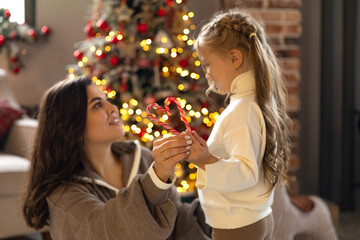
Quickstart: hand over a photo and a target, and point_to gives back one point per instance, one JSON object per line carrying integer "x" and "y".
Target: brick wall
{"x": 282, "y": 21}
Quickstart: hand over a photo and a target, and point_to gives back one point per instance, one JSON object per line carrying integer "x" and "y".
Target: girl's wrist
{"x": 212, "y": 159}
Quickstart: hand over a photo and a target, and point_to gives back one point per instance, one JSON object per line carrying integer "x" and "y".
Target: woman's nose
{"x": 207, "y": 76}
{"x": 112, "y": 108}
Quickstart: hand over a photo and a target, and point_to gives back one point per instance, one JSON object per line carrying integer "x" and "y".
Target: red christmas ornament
{"x": 161, "y": 12}
{"x": 13, "y": 59}
{"x": 170, "y": 3}
{"x": 32, "y": 33}
{"x": 7, "y": 14}
{"x": 184, "y": 63}
{"x": 142, "y": 28}
{"x": 78, "y": 55}
{"x": 13, "y": 35}
{"x": 16, "y": 70}
{"x": 45, "y": 30}
{"x": 114, "y": 60}
{"x": 142, "y": 132}
{"x": 101, "y": 56}
{"x": 114, "y": 39}
{"x": 102, "y": 24}
{"x": 107, "y": 89}
{"x": 2, "y": 40}
{"x": 89, "y": 30}
{"x": 124, "y": 87}
{"x": 143, "y": 63}
{"x": 149, "y": 99}
{"x": 205, "y": 105}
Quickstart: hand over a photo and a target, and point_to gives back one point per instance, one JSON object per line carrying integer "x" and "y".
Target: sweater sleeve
{"x": 241, "y": 170}
{"x": 78, "y": 213}
{"x": 190, "y": 220}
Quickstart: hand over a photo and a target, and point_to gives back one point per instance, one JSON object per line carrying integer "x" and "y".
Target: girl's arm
{"x": 238, "y": 172}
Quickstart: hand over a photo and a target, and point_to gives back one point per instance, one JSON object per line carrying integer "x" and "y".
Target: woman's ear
{"x": 237, "y": 58}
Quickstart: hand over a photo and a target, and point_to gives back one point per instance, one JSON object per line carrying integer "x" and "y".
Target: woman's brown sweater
{"x": 90, "y": 209}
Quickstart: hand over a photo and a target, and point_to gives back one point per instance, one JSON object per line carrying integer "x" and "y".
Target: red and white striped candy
{"x": 167, "y": 110}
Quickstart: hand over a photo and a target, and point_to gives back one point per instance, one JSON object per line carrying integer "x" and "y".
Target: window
{"x": 17, "y": 9}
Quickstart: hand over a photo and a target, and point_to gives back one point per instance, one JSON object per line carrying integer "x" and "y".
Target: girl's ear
{"x": 237, "y": 58}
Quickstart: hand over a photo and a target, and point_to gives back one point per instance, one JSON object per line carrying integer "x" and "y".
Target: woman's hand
{"x": 167, "y": 152}
{"x": 199, "y": 152}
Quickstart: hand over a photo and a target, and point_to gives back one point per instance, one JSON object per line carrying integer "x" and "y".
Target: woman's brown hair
{"x": 236, "y": 29}
{"x": 58, "y": 153}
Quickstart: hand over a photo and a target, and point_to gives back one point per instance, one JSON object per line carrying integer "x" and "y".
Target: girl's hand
{"x": 199, "y": 152}
{"x": 167, "y": 152}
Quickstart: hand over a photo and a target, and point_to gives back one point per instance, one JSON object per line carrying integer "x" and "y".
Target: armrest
{"x": 21, "y": 137}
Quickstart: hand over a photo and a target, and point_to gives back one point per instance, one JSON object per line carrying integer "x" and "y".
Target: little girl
{"x": 247, "y": 151}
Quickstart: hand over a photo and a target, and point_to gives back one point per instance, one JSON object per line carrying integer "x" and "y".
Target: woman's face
{"x": 102, "y": 122}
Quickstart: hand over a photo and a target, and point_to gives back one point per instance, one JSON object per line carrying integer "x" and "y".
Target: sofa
{"x": 14, "y": 165}
{"x": 17, "y": 132}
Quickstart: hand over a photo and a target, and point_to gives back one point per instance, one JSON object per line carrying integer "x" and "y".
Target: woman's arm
{"x": 190, "y": 220}
{"x": 78, "y": 212}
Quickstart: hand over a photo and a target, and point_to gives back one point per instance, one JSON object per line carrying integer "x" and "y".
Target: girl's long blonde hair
{"x": 236, "y": 29}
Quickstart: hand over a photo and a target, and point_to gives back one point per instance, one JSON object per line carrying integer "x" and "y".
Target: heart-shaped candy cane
{"x": 167, "y": 110}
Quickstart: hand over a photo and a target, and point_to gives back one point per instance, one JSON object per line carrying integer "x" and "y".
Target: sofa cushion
{"x": 7, "y": 116}
{"x": 13, "y": 171}
{"x": 20, "y": 138}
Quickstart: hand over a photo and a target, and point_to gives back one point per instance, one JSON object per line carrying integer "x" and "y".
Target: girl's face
{"x": 102, "y": 122}
{"x": 219, "y": 69}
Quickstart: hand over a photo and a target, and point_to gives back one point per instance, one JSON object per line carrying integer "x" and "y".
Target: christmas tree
{"x": 140, "y": 52}
{"x": 11, "y": 33}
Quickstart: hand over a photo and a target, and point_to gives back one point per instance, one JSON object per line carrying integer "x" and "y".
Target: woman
{"x": 85, "y": 184}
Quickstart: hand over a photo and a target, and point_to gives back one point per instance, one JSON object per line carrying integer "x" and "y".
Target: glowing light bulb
{"x": 164, "y": 39}
{"x": 134, "y": 102}
{"x": 173, "y": 54}
{"x": 126, "y": 128}
{"x": 205, "y": 111}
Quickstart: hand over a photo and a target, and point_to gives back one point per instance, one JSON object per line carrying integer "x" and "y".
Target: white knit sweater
{"x": 232, "y": 191}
